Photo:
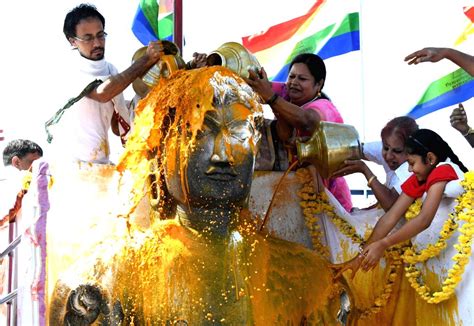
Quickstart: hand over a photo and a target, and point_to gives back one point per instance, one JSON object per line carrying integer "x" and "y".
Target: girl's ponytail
{"x": 423, "y": 141}
{"x": 455, "y": 159}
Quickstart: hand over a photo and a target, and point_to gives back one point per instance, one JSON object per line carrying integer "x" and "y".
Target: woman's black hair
{"x": 315, "y": 65}
{"x": 423, "y": 141}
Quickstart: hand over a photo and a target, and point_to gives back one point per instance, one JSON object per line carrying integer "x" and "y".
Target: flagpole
{"x": 362, "y": 84}
{"x": 178, "y": 24}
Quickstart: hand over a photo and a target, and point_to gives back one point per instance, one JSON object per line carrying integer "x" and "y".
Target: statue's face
{"x": 220, "y": 167}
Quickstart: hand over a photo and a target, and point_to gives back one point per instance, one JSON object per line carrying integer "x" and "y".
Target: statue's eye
{"x": 205, "y": 130}
{"x": 241, "y": 132}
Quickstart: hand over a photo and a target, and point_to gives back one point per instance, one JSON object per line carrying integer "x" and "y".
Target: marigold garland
{"x": 26, "y": 181}
{"x": 314, "y": 204}
{"x": 393, "y": 256}
{"x": 414, "y": 209}
{"x": 464, "y": 211}
{"x": 432, "y": 250}
{"x": 311, "y": 206}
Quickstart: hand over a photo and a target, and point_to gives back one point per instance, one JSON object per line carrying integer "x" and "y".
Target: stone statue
{"x": 198, "y": 134}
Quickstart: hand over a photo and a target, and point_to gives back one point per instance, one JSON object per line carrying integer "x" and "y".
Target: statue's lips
{"x": 220, "y": 174}
{"x": 221, "y": 177}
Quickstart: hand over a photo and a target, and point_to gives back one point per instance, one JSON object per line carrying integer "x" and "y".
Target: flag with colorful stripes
{"x": 469, "y": 12}
{"x": 456, "y": 87}
{"x": 153, "y": 21}
{"x": 451, "y": 89}
{"x": 166, "y": 20}
{"x": 328, "y": 29}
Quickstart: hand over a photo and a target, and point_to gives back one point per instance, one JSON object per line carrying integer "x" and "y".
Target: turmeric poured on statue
{"x": 203, "y": 260}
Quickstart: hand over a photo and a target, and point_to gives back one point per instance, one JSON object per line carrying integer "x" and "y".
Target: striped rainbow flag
{"x": 456, "y": 87}
{"x": 278, "y": 45}
{"x": 451, "y": 89}
{"x": 153, "y": 21}
{"x": 469, "y": 12}
{"x": 166, "y": 20}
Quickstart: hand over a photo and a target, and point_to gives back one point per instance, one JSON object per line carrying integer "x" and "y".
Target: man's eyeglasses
{"x": 90, "y": 38}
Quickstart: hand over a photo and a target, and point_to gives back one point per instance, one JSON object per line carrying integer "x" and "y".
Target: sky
{"x": 369, "y": 87}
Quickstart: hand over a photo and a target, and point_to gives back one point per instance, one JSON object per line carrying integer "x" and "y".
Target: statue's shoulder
{"x": 298, "y": 277}
{"x": 164, "y": 238}
{"x": 296, "y": 251}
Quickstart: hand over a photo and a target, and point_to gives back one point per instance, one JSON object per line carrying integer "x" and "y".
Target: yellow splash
{"x": 174, "y": 110}
{"x": 174, "y": 274}
{"x": 170, "y": 272}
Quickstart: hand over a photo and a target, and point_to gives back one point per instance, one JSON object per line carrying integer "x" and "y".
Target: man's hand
{"x": 458, "y": 119}
{"x": 425, "y": 55}
{"x": 154, "y": 51}
{"x": 199, "y": 60}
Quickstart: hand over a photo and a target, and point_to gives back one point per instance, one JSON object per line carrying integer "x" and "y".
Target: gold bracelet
{"x": 372, "y": 178}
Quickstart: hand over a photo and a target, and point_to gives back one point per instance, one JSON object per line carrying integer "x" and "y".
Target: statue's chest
{"x": 207, "y": 287}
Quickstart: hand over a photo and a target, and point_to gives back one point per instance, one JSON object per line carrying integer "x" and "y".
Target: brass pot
{"x": 164, "y": 68}
{"x": 235, "y": 57}
{"x": 329, "y": 146}
{"x": 169, "y": 62}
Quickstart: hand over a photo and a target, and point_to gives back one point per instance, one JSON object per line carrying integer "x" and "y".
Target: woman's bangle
{"x": 371, "y": 179}
{"x": 272, "y": 99}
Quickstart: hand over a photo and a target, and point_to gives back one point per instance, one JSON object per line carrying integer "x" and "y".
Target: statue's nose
{"x": 222, "y": 150}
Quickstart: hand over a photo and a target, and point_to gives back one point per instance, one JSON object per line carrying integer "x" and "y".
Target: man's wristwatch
{"x": 469, "y": 132}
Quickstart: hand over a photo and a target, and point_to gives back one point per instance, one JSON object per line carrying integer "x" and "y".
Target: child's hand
{"x": 372, "y": 254}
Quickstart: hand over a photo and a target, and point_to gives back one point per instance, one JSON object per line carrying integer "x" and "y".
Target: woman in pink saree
{"x": 299, "y": 105}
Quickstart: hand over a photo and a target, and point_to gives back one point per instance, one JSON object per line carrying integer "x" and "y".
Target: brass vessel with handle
{"x": 169, "y": 62}
{"x": 329, "y": 146}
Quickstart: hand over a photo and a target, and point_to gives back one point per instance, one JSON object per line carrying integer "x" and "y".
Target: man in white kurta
{"x": 83, "y": 130}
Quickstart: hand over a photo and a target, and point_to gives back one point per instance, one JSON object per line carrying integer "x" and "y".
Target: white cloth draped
{"x": 82, "y": 134}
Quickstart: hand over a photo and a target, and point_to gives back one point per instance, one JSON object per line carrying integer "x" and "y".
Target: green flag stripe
{"x": 150, "y": 10}
{"x": 445, "y": 84}
{"x": 166, "y": 26}
{"x": 350, "y": 23}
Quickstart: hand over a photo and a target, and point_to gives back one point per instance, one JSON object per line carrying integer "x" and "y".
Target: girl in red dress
{"x": 434, "y": 166}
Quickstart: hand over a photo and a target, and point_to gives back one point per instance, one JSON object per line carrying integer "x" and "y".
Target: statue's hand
{"x": 353, "y": 265}
{"x": 85, "y": 304}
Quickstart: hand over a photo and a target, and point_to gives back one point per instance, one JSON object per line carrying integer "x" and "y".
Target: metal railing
{"x": 12, "y": 291}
